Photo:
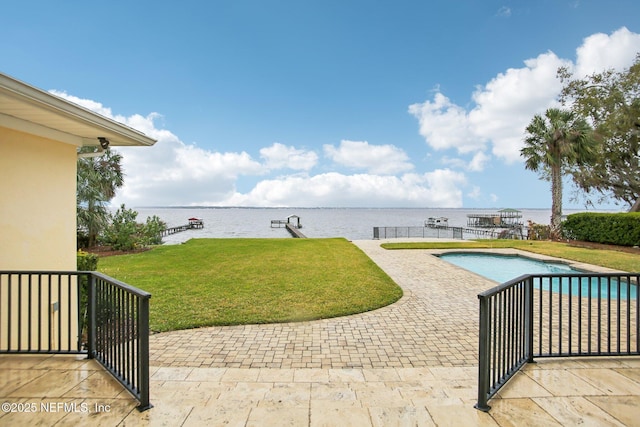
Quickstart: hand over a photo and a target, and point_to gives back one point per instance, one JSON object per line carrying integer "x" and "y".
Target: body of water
{"x": 351, "y": 223}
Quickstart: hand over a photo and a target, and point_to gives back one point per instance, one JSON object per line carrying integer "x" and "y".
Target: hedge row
{"x": 621, "y": 229}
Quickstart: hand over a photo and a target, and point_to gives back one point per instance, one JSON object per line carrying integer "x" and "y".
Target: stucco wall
{"x": 37, "y": 203}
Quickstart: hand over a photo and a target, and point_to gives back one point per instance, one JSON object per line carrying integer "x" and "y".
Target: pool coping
{"x": 589, "y": 268}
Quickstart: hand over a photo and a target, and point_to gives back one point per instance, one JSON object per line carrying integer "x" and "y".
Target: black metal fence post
{"x": 484, "y": 355}
{"x": 529, "y": 319}
{"x": 143, "y": 354}
{"x": 91, "y": 317}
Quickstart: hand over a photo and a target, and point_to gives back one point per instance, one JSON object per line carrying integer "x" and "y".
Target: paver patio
{"x": 411, "y": 363}
{"x": 434, "y": 324}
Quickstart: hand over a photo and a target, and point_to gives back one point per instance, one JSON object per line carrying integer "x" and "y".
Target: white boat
{"x": 435, "y": 222}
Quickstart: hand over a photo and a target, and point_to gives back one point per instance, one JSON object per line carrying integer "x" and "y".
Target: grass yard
{"x": 206, "y": 282}
{"x": 606, "y": 258}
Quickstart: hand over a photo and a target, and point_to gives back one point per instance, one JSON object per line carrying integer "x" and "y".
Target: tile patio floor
{"x": 412, "y": 363}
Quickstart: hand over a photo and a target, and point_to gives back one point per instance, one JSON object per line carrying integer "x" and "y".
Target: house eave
{"x": 29, "y": 109}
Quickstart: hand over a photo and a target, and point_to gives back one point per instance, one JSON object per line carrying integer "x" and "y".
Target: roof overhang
{"x": 28, "y": 109}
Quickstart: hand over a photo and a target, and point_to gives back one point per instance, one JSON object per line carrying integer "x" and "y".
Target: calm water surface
{"x": 351, "y": 223}
{"x": 503, "y": 268}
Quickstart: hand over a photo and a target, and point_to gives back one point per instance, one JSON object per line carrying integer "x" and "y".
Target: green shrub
{"x": 121, "y": 233}
{"x": 538, "y": 231}
{"x": 151, "y": 231}
{"x": 86, "y": 261}
{"x": 125, "y": 233}
{"x": 616, "y": 229}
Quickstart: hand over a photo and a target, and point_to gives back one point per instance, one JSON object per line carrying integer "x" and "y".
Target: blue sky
{"x": 320, "y": 103}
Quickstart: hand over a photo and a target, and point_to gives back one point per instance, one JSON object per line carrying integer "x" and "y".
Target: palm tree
{"x": 555, "y": 142}
{"x": 98, "y": 178}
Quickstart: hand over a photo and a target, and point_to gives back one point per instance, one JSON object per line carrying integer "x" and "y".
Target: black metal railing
{"x": 408, "y": 232}
{"x": 554, "y": 315}
{"x": 79, "y": 313}
{"x": 39, "y": 312}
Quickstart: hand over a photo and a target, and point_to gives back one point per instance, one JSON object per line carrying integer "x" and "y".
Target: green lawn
{"x": 207, "y": 282}
{"x": 606, "y": 258}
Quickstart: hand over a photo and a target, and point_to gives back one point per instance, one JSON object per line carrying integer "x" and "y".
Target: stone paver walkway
{"x": 434, "y": 324}
{"x": 413, "y": 363}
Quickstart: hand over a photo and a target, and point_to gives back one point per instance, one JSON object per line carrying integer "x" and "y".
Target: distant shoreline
{"x": 368, "y": 208}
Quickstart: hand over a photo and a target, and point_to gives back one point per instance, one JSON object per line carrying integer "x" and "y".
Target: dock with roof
{"x": 194, "y": 223}
{"x": 292, "y": 224}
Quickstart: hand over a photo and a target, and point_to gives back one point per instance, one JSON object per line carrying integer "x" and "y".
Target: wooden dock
{"x": 194, "y": 223}
{"x": 291, "y": 226}
{"x": 295, "y": 232}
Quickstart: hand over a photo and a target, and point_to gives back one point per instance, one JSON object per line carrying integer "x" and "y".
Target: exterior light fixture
{"x": 104, "y": 142}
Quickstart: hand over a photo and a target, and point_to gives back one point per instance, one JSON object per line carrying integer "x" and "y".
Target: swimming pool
{"x": 503, "y": 268}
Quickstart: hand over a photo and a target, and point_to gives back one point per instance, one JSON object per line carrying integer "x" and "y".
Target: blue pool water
{"x": 503, "y": 268}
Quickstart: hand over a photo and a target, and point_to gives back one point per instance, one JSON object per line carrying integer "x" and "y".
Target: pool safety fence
{"x": 425, "y": 232}
{"x": 79, "y": 312}
{"x": 554, "y": 315}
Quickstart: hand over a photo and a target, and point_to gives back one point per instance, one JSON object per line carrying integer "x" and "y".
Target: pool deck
{"x": 411, "y": 363}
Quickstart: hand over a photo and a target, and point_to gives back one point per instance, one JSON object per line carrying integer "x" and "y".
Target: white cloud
{"x": 476, "y": 164}
{"x": 376, "y": 159}
{"x": 477, "y": 194}
{"x": 602, "y": 51}
{"x": 445, "y": 125}
{"x": 504, "y": 106}
{"x": 439, "y": 188}
{"x": 474, "y": 193}
{"x": 280, "y": 156}
{"x": 88, "y": 104}
{"x": 454, "y": 162}
{"x": 504, "y": 12}
{"x": 174, "y": 173}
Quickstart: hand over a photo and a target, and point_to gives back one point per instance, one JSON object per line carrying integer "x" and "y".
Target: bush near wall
{"x": 615, "y": 229}
{"x": 86, "y": 261}
{"x": 125, "y": 233}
